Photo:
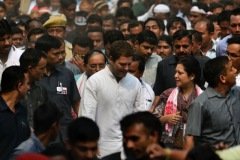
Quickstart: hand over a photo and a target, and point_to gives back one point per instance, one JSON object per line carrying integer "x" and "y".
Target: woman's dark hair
{"x": 192, "y": 67}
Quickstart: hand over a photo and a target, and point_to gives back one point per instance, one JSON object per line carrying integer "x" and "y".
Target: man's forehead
{"x": 183, "y": 39}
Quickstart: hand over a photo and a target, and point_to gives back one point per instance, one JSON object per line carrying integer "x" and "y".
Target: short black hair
{"x": 83, "y": 41}
{"x": 125, "y": 12}
{"x": 213, "y": 69}
{"x": 120, "y": 48}
{"x": 235, "y": 12}
{"x": 167, "y": 39}
{"x": 82, "y": 129}
{"x": 112, "y": 36}
{"x": 224, "y": 16}
{"x": 35, "y": 31}
{"x": 47, "y": 42}
{"x": 31, "y": 58}
{"x": 45, "y": 116}
{"x": 147, "y": 36}
{"x": 150, "y": 122}
{"x": 215, "y": 5}
{"x": 233, "y": 40}
{"x": 94, "y": 18}
{"x": 197, "y": 36}
{"x": 5, "y": 28}
{"x": 173, "y": 20}
{"x": 16, "y": 30}
{"x": 67, "y": 3}
{"x": 95, "y": 29}
{"x": 110, "y": 17}
{"x": 120, "y": 2}
{"x": 141, "y": 62}
{"x": 159, "y": 22}
{"x": 134, "y": 23}
{"x": 11, "y": 77}
{"x": 181, "y": 34}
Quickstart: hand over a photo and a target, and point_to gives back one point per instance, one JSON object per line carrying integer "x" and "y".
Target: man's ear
{"x": 19, "y": 86}
{"x": 222, "y": 79}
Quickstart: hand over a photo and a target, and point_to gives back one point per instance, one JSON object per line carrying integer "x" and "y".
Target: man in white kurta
{"x": 109, "y": 95}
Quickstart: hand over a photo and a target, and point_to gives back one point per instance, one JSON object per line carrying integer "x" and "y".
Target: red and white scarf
{"x": 171, "y": 106}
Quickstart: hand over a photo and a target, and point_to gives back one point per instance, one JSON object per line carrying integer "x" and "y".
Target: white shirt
{"x": 150, "y": 71}
{"x": 211, "y": 53}
{"x": 148, "y": 95}
{"x": 81, "y": 83}
{"x": 107, "y": 101}
{"x": 13, "y": 59}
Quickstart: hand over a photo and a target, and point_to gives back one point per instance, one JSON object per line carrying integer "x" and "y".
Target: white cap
{"x": 161, "y": 8}
{"x": 198, "y": 10}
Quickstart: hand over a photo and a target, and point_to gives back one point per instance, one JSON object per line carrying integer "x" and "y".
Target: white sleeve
{"x": 88, "y": 105}
{"x": 139, "y": 102}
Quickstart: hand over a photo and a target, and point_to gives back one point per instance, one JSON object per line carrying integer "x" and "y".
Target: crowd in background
{"x": 119, "y": 79}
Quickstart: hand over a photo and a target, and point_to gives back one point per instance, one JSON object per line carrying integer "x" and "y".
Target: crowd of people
{"x": 119, "y": 79}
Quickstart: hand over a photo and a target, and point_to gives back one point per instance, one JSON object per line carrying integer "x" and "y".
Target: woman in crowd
{"x": 172, "y": 110}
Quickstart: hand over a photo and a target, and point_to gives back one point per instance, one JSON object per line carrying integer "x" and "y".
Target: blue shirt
{"x": 222, "y": 46}
{"x": 32, "y": 144}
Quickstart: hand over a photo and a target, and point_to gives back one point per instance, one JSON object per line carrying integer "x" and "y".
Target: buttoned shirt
{"x": 14, "y": 128}
{"x": 107, "y": 101}
{"x": 214, "y": 118}
{"x": 62, "y": 90}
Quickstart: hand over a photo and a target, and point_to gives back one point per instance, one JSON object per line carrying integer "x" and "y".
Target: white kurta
{"x": 107, "y": 101}
{"x": 13, "y": 59}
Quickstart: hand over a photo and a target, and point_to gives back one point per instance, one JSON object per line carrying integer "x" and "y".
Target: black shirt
{"x": 14, "y": 128}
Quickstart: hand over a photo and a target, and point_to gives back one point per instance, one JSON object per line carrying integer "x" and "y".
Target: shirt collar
{"x": 212, "y": 93}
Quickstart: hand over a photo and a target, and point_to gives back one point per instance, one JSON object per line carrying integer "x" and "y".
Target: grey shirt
{"x": 213, "y": 118}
